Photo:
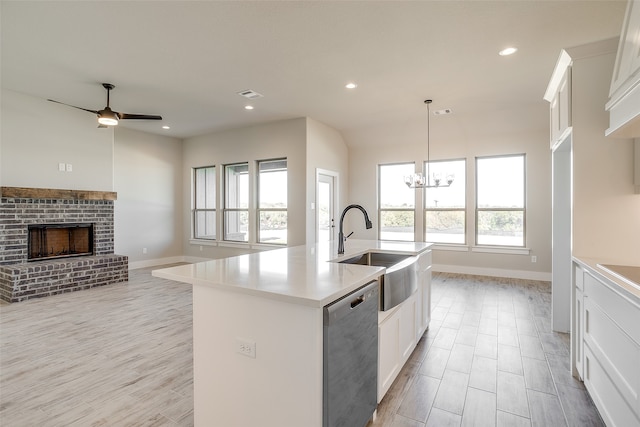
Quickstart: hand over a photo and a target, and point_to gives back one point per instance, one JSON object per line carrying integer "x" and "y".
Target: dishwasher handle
{"x": 353, "y": 301}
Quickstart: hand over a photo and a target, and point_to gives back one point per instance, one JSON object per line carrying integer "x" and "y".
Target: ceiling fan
{"x": 108, "y": 117}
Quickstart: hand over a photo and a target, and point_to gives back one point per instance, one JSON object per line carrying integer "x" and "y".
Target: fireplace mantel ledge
{"x": 54, "y": 193}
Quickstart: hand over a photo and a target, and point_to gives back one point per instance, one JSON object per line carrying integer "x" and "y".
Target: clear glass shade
{"x": 417, "y": 180}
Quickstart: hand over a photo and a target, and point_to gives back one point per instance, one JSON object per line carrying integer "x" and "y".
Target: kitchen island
{"x": 258, "y": 329}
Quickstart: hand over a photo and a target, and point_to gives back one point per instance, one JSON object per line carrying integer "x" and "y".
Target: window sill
{"x": 203, "y": 242}
{"x": 246, "y": 245}
{"x": 501, "y": 250}
{"x": 452, "y": 248}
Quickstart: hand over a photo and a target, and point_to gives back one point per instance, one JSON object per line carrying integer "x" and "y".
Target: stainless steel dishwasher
{"x": 351, "y": 358}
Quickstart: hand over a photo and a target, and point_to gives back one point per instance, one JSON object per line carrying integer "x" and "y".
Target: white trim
{"x": 266, "y": 246}
{"x": 493, "y": 272}
{"x": 203, "y": 242}
{"x": 450, "y": 247}
{"x": 153, "y": 262}
{"x": 164, "y": 261}
{"x": 563, "y": 62}
{"x": 501, "y": 250}
{"x": 236, "y": 245}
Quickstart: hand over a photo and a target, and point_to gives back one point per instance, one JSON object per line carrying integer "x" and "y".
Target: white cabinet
{"x": 389, "y": 362}
{"x": 396, "y": 342}
{"x": 624, "y": 94}
{"x": 558, "y": 94}
{"x": 560, "y": 107}
{"x": 609, "y": 344}
{"x": 400, "y": 328}
{"x": 577, "y": 337}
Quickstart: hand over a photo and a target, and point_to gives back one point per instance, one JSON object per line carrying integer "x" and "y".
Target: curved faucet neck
{"x": 341, "y": 234}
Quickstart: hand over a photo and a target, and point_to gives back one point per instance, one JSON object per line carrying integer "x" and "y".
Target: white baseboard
{"x": 493, "y": 272}
{"x": 158, "y": 261}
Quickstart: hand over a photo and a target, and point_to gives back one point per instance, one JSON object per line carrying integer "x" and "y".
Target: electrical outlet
{"x": 246, "y": 348}
{"x": 144, "y": 250}
{"x": 201, "y": 248}
{"x": 534, "y": 258}
{"x": 69, "y": 167}
{"x": 61, "y": 167}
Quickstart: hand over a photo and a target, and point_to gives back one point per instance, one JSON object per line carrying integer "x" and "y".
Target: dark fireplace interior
{"x": 48, "y": 241}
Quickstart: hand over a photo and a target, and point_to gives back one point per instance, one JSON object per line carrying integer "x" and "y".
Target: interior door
{"x": 326, "y": 185}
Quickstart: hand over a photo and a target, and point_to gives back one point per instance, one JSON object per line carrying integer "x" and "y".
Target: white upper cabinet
{"x": 624, "y": 95}
{"x": 559, "y": 96}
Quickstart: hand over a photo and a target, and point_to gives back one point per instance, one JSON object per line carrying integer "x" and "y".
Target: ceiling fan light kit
{"x": 108, "y": 117}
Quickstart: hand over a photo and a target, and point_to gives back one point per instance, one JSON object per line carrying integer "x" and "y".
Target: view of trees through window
{"x": 396, "y": 203}
{"x": 500, "y": 200}
{"x": 445, "y": 207}
{"x": 236, "y": 205}
{"x": 272, "y": 201}
{"x": 204, "y": 212}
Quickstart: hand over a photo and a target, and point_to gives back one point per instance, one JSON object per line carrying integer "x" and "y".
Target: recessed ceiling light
{"x": 351, "y": 85}
{"x": 166, "y": 127}
{"x": 508, "y": 51}
{"x": 248, "y": 107}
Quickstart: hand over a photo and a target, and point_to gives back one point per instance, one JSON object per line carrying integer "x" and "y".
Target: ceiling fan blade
{"x": 73, "y": 106}
{"x": 126, "y": 116}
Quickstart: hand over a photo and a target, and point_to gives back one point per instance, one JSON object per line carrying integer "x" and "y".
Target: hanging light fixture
{"x": 417, "y": 180}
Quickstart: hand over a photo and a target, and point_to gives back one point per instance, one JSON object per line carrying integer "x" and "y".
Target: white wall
{"x": 285, "y": 138}
{"x": 326, "y": 150}
{"x": 148, "y": 212}
{"x": 466, "y": 136}
{"x": 606, "y": 210}
{"x": 36, "y": 135}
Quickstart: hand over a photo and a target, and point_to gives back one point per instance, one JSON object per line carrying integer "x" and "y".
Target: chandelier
{"x": 417, "y": 180}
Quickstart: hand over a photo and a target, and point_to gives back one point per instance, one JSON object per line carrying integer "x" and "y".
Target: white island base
{"x": 258, "y": 330}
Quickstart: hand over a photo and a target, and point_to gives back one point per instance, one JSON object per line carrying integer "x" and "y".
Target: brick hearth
{"x": 19, "y": 207}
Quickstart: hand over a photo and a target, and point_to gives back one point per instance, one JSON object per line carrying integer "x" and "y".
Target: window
{"x": 204, "y": 212}
{"x": 272, "y": 201}
{"x": 500, "y": 200}
{"x": 396, "y": 203}
{"x": 445, "y": 207}
{"x": 236, "y": 202}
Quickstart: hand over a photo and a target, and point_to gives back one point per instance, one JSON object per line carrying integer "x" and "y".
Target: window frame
{"x": 412, "y": 210}
{"x": 462, "y": 209}
{"x": 259, "y": 210}
{"x": 503, "y": 209}
{"x": 195, "y": 210}
{"x": 226, "y": 209}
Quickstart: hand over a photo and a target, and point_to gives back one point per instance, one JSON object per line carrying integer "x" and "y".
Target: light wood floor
{"x": 121, "y": 355}
{"x": 489, "y": 358}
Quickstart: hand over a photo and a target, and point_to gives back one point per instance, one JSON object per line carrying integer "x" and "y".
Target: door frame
{"x": 335, "y": 176}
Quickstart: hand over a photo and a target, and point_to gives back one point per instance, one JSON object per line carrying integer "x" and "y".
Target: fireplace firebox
{"x": 50, "y": 241}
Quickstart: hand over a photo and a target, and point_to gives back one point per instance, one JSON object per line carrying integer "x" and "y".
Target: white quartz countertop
{"x": 301, "y": 274}
{"x": 626, "y": 287}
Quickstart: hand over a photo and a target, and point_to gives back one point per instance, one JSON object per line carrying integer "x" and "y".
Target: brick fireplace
{"x": 56, "y": 241}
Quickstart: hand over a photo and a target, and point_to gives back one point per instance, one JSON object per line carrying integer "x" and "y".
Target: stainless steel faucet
{"x": 341, "y": 237}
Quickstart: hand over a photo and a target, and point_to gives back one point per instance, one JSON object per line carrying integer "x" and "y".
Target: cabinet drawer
{"x": 614, "y": 410}
{"x": 616, "y": 353}
{"x": 622, "y": 311}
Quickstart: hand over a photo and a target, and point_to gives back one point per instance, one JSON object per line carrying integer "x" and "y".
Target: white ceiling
{"x": 186, "y": 60}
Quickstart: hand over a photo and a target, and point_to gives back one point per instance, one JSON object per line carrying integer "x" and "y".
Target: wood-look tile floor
{"x": 117, "y": 355}
{"x": 121, "y": 355}
{"x": 489, "y": 358}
